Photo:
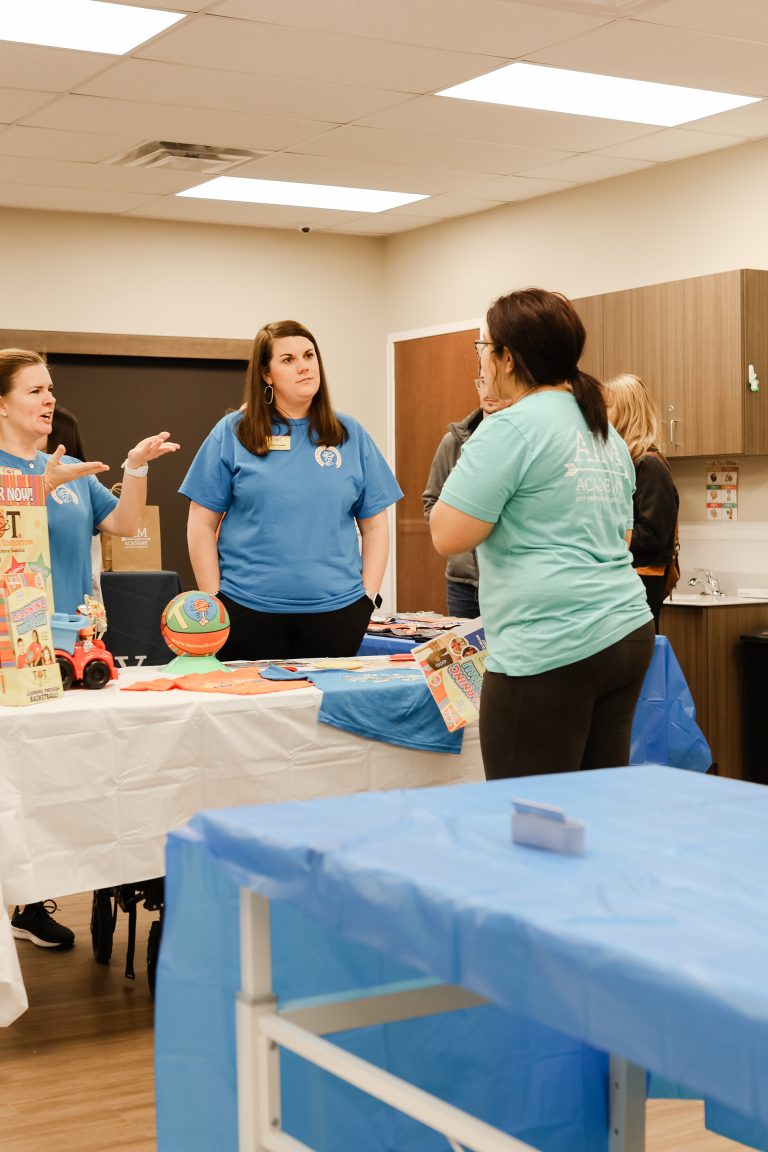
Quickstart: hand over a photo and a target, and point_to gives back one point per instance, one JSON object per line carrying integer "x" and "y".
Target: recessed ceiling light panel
{"x": 85, "y": 25}
{"x": 338, "y": 199}
{"x": 585, "y": 94}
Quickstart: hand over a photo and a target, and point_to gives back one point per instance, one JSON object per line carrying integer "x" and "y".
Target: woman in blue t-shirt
{"x": 288, "y": 510}
{"x": 77, "y": 506}
{"x": 544, "y": 492}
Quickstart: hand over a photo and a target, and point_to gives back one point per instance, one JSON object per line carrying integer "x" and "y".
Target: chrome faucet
{"x": 710, "y": 583}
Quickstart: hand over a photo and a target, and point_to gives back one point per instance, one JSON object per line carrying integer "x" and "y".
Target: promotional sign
{"x": 28, "y": 669}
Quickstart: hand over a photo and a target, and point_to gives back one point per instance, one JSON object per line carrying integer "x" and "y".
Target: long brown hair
{"x": 66, "y": 430}
{"x": 12, "y": 360}
{"x": 545, "y": 337}
{"x": 256, "y": 427}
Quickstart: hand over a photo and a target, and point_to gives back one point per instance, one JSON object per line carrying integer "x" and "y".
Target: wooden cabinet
{"x": 692, "y": 341}
{"x": 706, "y": 642}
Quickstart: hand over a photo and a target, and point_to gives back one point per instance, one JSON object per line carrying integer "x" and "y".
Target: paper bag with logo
{"x": 139, "y": 553}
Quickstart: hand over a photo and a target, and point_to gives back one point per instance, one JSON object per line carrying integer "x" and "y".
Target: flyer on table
{"x": 453, "y": 665}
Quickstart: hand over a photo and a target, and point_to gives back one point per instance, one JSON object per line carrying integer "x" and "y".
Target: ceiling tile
{"x": 51, "y": 69}
{"x": 15, "y": 103}
{"x": 750, "y": 121}
{"x": 741, "y": 19}
{"x": 382, "y": 224}
{"x": 68, "y": 199}
{"x": 252, "y": 215}
{"x": 215, "y": 42}
{"x": 497, "y": 27}
{"x": 669, "y": 144}
{"x": 357, "y": 173}
{"x": 588, "y": 167}
{"x": 165, "y": 122}
{"x": 50, "y": 144}
{"x": 170, "y": 5}
{"x": 666, "y": 55}
{"x": 411, "y": 148}
{"x": 237, "y": 91}
{"x": 60, "y": 173}
{"x": 508, "y": 189}
{"x": 446, "y": 206}
{"x": 524, "y": 127}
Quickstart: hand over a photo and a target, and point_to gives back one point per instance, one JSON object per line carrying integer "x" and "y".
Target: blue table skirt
{"x": 198, "y": 979}
{"x": 526, "y": 1077}
{"x": 664, "y": 729}
{"x": 531, "y": 1080}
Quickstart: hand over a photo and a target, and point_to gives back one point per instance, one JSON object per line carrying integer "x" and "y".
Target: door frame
{"x": 389, "y": 591}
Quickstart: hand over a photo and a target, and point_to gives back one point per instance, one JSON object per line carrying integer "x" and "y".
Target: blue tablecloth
{"x": 664, "y": 729}
{"x": 652, "y": 945}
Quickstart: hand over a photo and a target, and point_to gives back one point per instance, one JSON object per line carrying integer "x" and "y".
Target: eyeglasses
{"x": 480, "y": 344}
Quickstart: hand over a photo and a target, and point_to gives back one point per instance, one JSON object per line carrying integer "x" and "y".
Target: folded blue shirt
{"x": 392, "y": 705}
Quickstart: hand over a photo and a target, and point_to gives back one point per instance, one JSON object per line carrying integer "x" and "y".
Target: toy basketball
{"x": 194, "y": 624}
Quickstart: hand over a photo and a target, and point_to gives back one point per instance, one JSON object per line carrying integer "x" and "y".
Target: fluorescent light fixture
{"x": 86, "y": 25}
{"x": 300, "y": 195}
{"x": 584, "y": 94}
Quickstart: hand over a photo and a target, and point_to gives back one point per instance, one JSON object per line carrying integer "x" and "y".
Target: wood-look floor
{"x": 76, "y": 1070}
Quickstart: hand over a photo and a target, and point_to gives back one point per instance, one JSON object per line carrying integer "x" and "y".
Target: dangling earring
{"x": 268, "y": 399}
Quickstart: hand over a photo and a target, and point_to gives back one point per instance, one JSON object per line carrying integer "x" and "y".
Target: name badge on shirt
{"x": 279, "y": 443}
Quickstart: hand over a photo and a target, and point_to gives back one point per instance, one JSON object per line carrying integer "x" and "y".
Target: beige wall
{"x": 697, "y": 216}
{"x": 703, "y": 215}
{"x": 107, "y": 274}
{"x": 98, "y": 273}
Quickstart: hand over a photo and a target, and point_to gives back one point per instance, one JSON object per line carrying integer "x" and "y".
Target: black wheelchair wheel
{"x": 153, "y": 950}
{"x": 103, "y": 920}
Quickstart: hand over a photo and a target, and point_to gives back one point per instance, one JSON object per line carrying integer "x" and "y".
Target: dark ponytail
{"x": 545, "y": 337}
{"x": 591, "y": 401}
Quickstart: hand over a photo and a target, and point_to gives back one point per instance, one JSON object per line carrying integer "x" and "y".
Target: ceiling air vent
{"x": 185, "y": 157}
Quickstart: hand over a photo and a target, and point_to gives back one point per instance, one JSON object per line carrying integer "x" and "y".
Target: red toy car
{"x": 82, "y": 658}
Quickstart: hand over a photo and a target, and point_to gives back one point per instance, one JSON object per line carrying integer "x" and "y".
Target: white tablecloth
{"x": 13, "y": 997}
{"x": 90, "y": 784}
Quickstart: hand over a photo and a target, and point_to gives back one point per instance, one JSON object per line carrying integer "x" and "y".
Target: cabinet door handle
{"x": 672, "y": 424}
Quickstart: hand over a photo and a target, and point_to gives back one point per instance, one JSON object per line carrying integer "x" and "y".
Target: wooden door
{"x": 433, "y": 386}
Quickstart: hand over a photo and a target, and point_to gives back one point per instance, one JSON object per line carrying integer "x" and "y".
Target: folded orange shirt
{"x": 241, "y": 682}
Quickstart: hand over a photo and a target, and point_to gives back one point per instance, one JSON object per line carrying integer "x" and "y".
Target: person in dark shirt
{"x": 656, "y": 501}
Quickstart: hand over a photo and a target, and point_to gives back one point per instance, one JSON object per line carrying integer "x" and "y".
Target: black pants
{"x": 281, "y": 635}
{"x": 654, "y": 594}
{"x": 570, "y": 718}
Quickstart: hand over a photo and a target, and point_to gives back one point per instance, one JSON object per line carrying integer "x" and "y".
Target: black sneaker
{"x": 36, "y": 923}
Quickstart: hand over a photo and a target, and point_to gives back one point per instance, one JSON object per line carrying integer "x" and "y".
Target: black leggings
{"x": 281, "y": 635}
{"x": 654, "y": 594}
{"x": 570, "y": 718}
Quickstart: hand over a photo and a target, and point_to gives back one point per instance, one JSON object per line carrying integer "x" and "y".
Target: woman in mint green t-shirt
{"x": 543, "y": 491}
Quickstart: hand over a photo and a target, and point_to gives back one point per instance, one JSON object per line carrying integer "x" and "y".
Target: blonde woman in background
{"x": 655, "y": 502}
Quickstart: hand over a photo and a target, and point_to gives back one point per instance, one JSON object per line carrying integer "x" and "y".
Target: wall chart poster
{"x": 723, "y": 490}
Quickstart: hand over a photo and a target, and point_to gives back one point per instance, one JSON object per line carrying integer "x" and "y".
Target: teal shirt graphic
{"x": 556, "y": 577}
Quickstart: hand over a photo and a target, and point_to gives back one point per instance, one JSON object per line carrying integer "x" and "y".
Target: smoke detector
{"x": 184, "y": 157}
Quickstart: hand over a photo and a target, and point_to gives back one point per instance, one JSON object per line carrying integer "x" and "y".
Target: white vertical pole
{"x": 626, "y": 1116}
{"x": 258, "y": 1059}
